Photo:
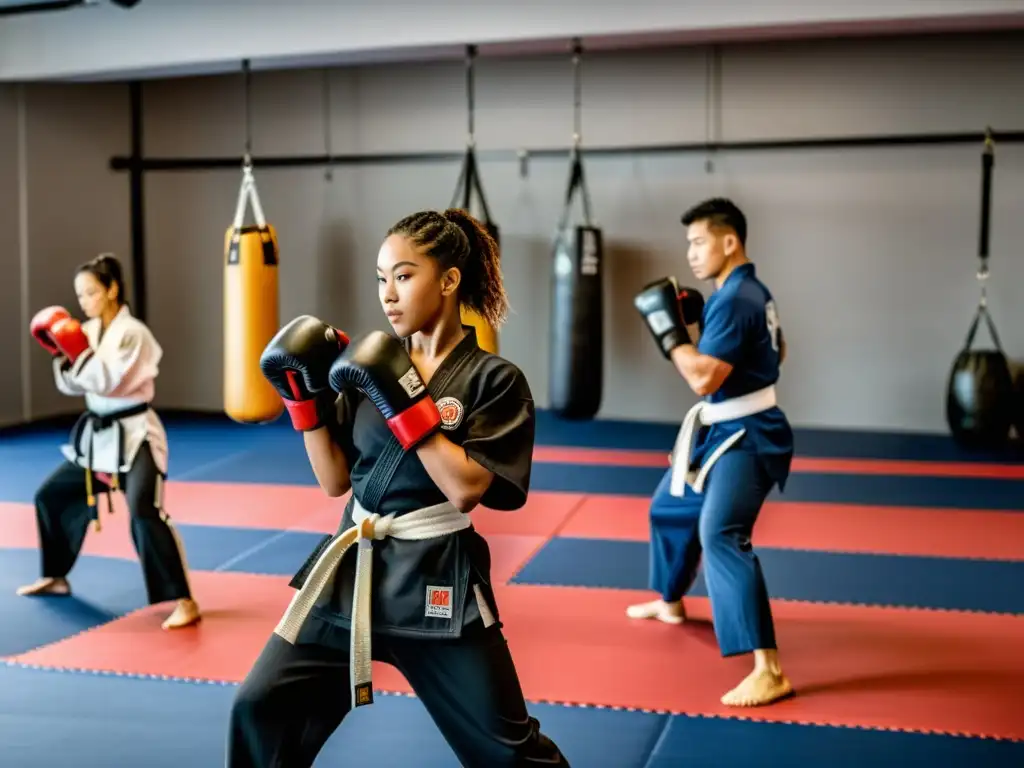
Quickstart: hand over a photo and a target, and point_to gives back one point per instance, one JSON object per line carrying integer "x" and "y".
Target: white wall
{"x": 870, "y": 253}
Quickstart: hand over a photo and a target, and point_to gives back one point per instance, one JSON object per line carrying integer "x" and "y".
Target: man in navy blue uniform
{"x": 733, "y": 447}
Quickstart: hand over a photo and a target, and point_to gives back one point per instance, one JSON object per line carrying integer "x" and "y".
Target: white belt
{"x": 704, "y": 413}
{"x": 427, "y": 523}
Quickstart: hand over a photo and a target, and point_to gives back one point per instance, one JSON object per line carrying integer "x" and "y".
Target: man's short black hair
{"x": 719, "y": 212}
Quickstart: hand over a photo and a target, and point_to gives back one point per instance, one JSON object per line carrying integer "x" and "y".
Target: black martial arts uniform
{"x": 434, "y": 615}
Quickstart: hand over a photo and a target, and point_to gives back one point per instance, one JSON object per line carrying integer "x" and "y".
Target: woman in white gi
{"x": 119, "y": 443}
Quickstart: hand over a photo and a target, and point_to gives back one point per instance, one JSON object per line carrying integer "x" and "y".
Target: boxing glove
{"x": 297, "y": 361}
{"x": 69, "y": 337}
{"x": 662, "y": 305}
{"x": 691, "y": 306}
{"x": 41, "y": 324}
{"x": 379, "y": 367}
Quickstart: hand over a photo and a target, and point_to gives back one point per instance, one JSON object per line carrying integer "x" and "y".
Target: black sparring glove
{"x": 297, "y": 361}
{"x": 668, "y": 309}
{"x": 379, "y": 366}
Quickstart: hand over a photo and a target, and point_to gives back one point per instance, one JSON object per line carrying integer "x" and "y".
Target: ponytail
{"x": 457, "y": 239}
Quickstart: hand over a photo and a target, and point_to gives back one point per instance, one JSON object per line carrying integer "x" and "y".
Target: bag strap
{"x": 577, "y": 182}
{"x": 982, "y": 311}
{"x": 469, "y": 176}
{"x": 577, "y": 179}
{"x": 247, "y": 193}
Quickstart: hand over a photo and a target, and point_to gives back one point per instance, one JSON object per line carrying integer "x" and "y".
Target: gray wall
{"x": 870, "y": 253}
{"x": 74, "y": 208}
{"x": 11, "y": 309}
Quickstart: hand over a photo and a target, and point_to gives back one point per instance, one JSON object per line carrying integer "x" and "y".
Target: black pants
{"x": 63, "y": 515}
{"x": 296, "y": 696}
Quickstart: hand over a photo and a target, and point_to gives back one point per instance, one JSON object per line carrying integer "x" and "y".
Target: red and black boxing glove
{"x": 297, "y": 361}
{"x": 379, "y": 367}
{"x": 41, "y": 324}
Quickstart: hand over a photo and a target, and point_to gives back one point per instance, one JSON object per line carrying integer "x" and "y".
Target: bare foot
{"x": 46, "y": 586}
{"x": 760, "y": 687}
{"x": 670, "y": 613}
{"x": 185, "y": 614}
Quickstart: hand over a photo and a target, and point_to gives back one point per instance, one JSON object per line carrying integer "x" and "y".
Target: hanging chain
{"x": 470, "y": 94}
{"x": 247, "y": 86}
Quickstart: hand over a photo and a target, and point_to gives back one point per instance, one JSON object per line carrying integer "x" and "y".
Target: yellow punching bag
{"x": 486, "y": 338}
{"x": 250, "y": 311}
{"x": 486, "y": 335}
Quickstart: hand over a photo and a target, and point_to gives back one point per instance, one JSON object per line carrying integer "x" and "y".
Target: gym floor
{"x": 895, "y": 564}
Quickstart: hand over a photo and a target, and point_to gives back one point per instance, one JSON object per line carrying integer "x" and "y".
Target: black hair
{"x": 719, "y": 212}
{"x": 457, "y": 239}
{"x": 107, "y": 270}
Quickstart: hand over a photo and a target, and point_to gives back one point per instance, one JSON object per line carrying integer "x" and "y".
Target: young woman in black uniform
{"x": 422, "y": 428}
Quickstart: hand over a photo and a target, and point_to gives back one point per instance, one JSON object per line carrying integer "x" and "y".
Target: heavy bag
{"x": 486, "y": 335}
{"x": 1018, "y": 399}
{"x": 250, "y": 322}
{"x": 577, "y": 328}
{"x": 980, "y": 393}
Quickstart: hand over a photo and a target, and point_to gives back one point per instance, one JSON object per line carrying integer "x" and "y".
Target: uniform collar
{"x": 453, "y": 360}
{"x": 742, "y": 272}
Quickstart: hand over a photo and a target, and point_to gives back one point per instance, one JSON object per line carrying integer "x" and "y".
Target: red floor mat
{"x": 833, "y": 528}
{"x": 873, "y": 667}
{"x": 868, "y": 667}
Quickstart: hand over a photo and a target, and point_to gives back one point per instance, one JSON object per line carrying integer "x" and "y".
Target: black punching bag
{"x": 1018, "y": 401}
{"x": 980, "y": 393}
{"x": 980, "y": 407}
{"x": 577, "y": 328}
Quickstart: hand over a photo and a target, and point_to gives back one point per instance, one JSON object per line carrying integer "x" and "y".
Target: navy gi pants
{"x": 715, "y": 526}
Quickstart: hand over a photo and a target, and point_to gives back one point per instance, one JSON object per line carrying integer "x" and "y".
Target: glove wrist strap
{"x": 416, "y": 423}
{"x": 305, "y": 414}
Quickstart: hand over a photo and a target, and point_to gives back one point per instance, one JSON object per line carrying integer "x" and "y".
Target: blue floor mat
{"x": 144, "y": 722}
{"x": 212, "y": 547}
{"x": 879, "y": 490}
{"x": 918, "y": 582}
{"x": 693, "y": 741}
{"x": 104, "y": 589}
{"x": 107, "y": 720}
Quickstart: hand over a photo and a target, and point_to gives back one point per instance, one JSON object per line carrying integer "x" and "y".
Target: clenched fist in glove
{"x": 43, "y": 321}
{"x": 59, "y": 333}
{"x": 297, "y": 361}
{"x": 379, "y": 366}
{"x": 668, "y": 309}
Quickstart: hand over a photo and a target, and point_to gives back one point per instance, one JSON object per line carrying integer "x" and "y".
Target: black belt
{"x": 97, "y": 423}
